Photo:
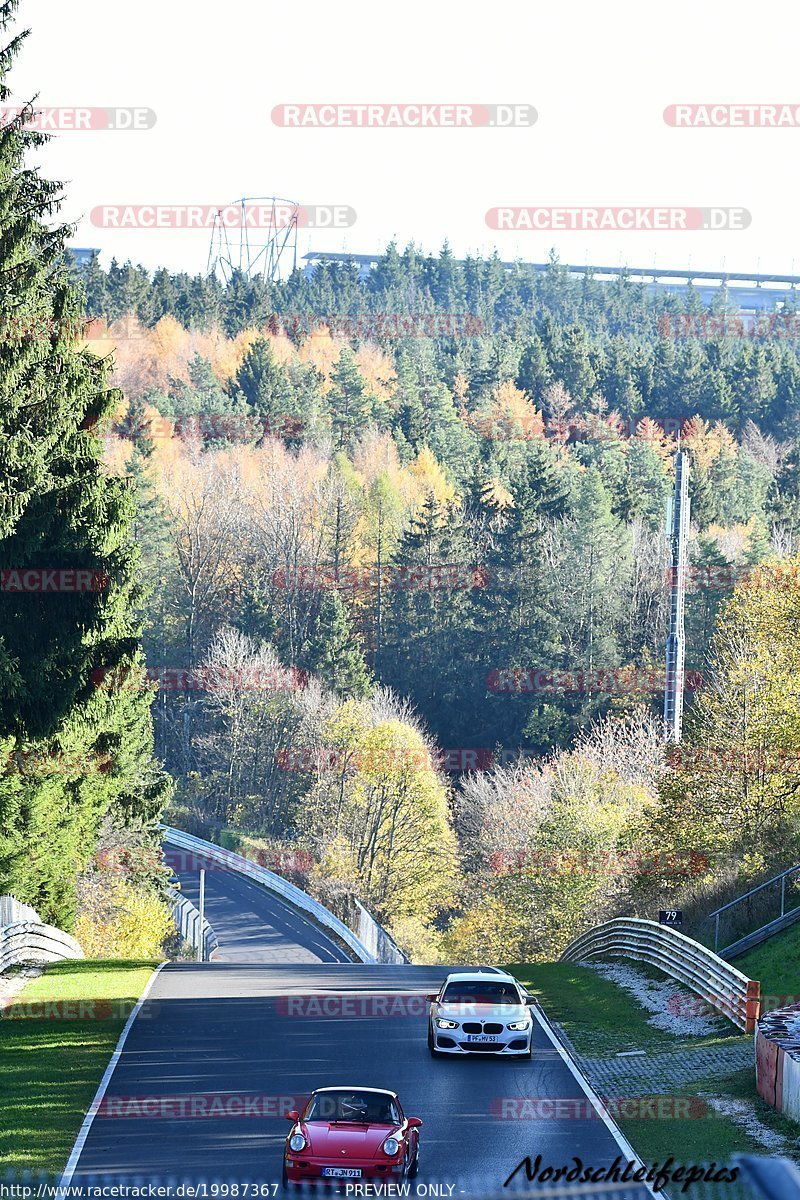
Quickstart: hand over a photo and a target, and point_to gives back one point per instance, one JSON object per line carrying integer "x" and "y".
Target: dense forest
{"x": 403, "y": 535}
{"x": 365, "y": 574}
{"x": 531, "y": 458}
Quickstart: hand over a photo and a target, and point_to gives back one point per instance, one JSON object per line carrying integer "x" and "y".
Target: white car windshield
{"x": 360, "y": 1108}
{"x": 481, "y": 992}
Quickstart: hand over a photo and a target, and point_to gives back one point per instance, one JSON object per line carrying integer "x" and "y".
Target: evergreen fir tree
{"x": 60, "y": 512}
{"x": 333, "y": 652}
{"x": 348, "y": 401}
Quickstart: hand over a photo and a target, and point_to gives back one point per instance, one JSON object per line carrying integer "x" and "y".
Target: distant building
{"x": 751, "y": 292}
{"x": 81, "y": 254}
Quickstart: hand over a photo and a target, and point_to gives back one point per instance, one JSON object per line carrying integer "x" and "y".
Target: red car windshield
{"x": 480, "y": 992}
{"x": 359, "y": 1108}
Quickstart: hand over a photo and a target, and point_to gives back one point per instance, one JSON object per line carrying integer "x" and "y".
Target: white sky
{"x": 599, "y": 75}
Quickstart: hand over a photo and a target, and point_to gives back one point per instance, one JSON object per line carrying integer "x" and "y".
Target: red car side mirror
{"x": 414, "y": 1123}
{"x": 293, "y": 1115}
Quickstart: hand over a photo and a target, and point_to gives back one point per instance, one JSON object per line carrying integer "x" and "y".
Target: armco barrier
{"x": 32, "y": 941}
{"x": 268, "y": 879}
{"x": 11, "y": 911}
{"x": 778, "y": 1059}
{"x": 383, "y": 948}
{"x": 721, "y": 985}
{"x": 187, "y": 921}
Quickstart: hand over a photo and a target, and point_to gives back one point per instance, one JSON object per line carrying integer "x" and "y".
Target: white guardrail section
{"x": 187, "y": 922}
{"x": 11, "y": 911}
{"x": 383, "y": 948}
{"x": 24, "y": 938}
{"x": 268, "y": 879}
{"x": 720, "y": 985}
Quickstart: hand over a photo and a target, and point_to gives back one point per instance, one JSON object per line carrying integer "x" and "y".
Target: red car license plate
{"x": 342, "y": 1172}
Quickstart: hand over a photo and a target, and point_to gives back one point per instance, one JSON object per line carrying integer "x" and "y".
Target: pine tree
{"x": 264, "y": 383}
{"x": 348, "y": 401}
{"x": 73, "y": 751}
{"x": 333, "y": 653}
{"x": 534, "y": 375}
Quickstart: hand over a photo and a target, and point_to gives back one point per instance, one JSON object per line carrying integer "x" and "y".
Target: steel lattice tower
{"x": 677, "y": 529}
{"x": 255, "y": 244}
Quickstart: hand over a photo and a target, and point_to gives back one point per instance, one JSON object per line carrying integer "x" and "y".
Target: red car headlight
{"x": 391, "y": 1146}
{"x": 297, "y": 1142}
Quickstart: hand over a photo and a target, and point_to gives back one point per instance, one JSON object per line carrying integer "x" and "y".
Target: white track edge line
{"x": 102, "y": 1087}
{"x": 617, "y": 1134}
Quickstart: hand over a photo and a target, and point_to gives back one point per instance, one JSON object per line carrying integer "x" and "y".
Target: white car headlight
{"x": 297, "y": 1142}
{"x": 517, "y": 1025}
{"x": 443, "y": 1024}
{"x": 391, "y": 1146}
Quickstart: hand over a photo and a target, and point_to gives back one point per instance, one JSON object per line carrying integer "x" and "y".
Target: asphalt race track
{"x": 252, "y": 924}
{"x": 220, "y": 1051}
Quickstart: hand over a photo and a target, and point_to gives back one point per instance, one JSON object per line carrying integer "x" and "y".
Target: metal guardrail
{"x": 377, "y": 940}
{"x": 187, "y": 921}
{"x": 740, "y": 947}
{"x": 715, "y": 915}
{"x": 12, "y": 910}
{"x": 32, "y": 941}
{"x": 294, "y": 896}
{"x": 720, "y": 985}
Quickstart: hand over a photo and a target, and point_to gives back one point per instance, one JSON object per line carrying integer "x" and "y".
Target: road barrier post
{"x": 200, "y": 938}
{"x": 752, "y": 1005}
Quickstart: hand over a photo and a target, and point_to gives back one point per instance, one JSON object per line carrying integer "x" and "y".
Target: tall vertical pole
{"x": 201, "y": 947}
{"x": 678, "y": 527}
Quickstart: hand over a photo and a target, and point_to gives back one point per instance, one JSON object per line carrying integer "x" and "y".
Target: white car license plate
{"x": 342, "y": 1172}
{"x": 482, "y": 1037}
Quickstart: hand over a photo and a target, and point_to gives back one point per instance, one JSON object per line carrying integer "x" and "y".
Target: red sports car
{"x": 351, "y": 1133}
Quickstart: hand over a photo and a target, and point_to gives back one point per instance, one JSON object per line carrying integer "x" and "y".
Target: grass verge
{"x": 776, "y": 963}
{"x": 56, "y": 1039}
{"x": 603, "y": 1020}
{"x": 599, "y": 1017}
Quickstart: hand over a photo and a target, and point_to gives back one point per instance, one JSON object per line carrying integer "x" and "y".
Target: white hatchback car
{"x": 481, "y": 1012}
